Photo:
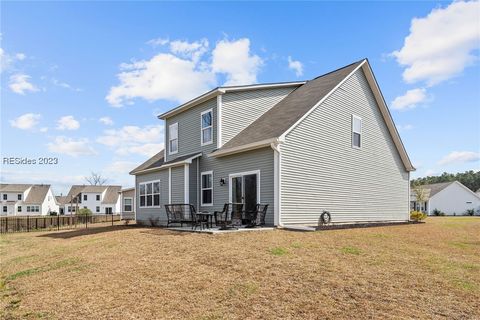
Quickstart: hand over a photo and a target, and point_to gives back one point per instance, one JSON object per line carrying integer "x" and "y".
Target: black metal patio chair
{"x": 181, "y": 213}
{"x": 257, "y": 216}
{"x": 231, "y": 212}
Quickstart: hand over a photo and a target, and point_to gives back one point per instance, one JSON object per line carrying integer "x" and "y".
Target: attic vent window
{"x": 356, "y": 132}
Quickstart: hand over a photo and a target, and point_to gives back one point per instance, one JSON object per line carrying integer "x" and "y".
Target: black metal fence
{"x": 42, "y": 223}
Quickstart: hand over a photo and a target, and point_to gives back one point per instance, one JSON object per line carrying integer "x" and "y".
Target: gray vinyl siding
{"x": 321, "y": 171}
{"x": 189, "y": 130}
{"x": 144, "y": 214}
{"x": 240, "y": 109}
{"x": 178, "y": 184}
{"x": 260, "y": 159}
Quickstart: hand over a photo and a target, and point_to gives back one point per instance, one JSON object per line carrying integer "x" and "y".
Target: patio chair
{"x": 225, "y": 218}
{"x": 257, "y": 217}
{"x": 181, "y": 213}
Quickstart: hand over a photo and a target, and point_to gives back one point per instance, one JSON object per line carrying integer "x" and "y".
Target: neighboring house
{"x": 127, "y": 200}
{"x": 301, "y": 147}
{"x": 451, "y": 198}
{"x": 27, "y": 199}
{"x": 99, "y": 199}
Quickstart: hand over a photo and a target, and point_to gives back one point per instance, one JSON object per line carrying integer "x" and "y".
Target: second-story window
{"x": 356, "y": 132}
{"x": 19, "y": 196}
{"x": 4, "y": 196}
{"x": 173, "y": 138}
{"x": 207, "y": 127}
{"x": 85, "y": 197}
{"x": 98, "y": 197}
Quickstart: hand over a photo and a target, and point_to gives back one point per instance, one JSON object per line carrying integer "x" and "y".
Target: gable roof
{"x": 435, "y": 188}
{"x": 273, "y": 125}
{"x": 111, "y": 195}
{"x": 221, "y": 90}
{"x": 37, "y": 194}
{"x": 14, "y": 187}
{"x": 154, "y": 164}
{"x": 155, "y": 161}
{"x": 61, "y": 200}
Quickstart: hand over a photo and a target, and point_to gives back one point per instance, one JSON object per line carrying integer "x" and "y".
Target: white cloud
{"x": 19, "y": 83}
{"x": 234, "y": 59}
{"x": 405, "y": 127}
{"x": 7, "y": 61}
{"x": 67, "y": 123}
{"x": 106, "y": 121}
{"x": 460, "y": 157}
{"x": 20, "y": 56}
{"x": 121, "y": 167}
{"x": 410, "y": 99}
{"x": 71, "y": 147}
{"x": 165, "y": 76}
{"x": 26, "y": 122}
{"x": 43, "y": 129}
{"x": 441, "y": 44}
{"x": 134, "y": 140}
{"x": 296, "y": 66}
{"x": 186, "y": 71}
{"x": 158, "y": 42}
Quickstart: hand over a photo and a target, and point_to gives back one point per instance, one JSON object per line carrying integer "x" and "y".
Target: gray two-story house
{"x": 301, "y": 147}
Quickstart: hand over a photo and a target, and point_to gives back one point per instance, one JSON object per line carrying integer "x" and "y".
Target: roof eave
{"x": 246, "y": 147}
{"x": 169, "y": 165}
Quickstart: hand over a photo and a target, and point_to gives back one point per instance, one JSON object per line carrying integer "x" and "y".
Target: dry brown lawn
{"x": 426, "y": 271}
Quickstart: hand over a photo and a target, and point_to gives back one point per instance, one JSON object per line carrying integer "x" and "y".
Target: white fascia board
{"x": 243, "y": 148}
{"x": 173, "y": 164}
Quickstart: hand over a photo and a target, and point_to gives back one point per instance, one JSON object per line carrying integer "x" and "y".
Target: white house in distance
{"x": 27, "y": 199}
{"x": 451, "y": 198}
{"x": 99, "y": 199}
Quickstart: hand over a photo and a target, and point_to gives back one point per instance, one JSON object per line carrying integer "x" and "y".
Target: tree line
{"x": 470, "y": 179}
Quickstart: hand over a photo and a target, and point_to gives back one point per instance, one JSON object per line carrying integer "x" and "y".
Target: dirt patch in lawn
{"x": 429, "y": 270}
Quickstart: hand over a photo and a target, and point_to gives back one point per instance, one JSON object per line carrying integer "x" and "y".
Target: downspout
{"x": 277, "y": 174}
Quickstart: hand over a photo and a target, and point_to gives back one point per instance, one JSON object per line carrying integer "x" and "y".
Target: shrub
{"x": 470, "y": 212}
{"x": 53, "y": 213}
{"x": 437, "y": 212}
{"x": 417, "y": 215}
{"x": 84, "y": 212}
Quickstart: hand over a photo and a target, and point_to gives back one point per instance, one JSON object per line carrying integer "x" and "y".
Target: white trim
{"x": 170, "y": 139}
{"x": 219, "y": 121}
{"x": 220, "y": 90}
{"x": 170, "y": 165}
{"x": 282, "y": 137}
{"x": 276, "y": 187}
{"x": 243, "y": 148}
{"x": 165, "y": 142}
{"x": 360, "y": 133}
{"x": 201, "y": 128}
{"x": 201, "y": 188}
{"x": 170, "y": 185}
{"x": 408, "y": 198}
{"x": 198, "y": 190}
{"x": 186, "y": 176}
{"x": 241, "y": 174}
{"x": 159, "y": 193}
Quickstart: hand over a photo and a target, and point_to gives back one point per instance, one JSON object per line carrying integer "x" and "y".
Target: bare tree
{"x": 96, "y": 179}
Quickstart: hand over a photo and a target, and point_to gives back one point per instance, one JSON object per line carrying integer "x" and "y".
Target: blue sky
{"x": 83, "y": 81}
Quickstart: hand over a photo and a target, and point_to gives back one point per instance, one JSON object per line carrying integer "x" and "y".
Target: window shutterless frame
{"x": 357, "y": 125}
{"x": 207, "y": 187}
{"x": 173, "y": 138}
{"x": 206, "y": 127}
{"x": 146, "y": 190}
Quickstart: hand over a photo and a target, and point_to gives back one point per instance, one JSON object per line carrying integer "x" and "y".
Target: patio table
{"x": 207, "y": 217}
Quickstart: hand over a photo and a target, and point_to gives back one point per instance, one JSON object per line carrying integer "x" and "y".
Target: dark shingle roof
{"x": 111, "y": 195}
{"x": 287, "y": 112}
{"x": 155, "y": 161}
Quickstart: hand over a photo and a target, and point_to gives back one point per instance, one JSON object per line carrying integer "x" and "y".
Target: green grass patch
{"x": 278, "y": 251}
{"x": 351, "y": 250}
{"x": 381, "y": 236}
{"x": 23, "y": 273}
{"x": 296, "y": 245}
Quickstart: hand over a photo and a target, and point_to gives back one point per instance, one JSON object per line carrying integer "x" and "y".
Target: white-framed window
{"x": 97, "y": 209}
{"x": 85, "y": 197}
{"x": 206, "y": 119}
{"x": 127, "y": 204}
{"x": 206, "y": 192}
{"x": 4, "y": 208}
{"x": 19, "y": 196}
{"x": 28, "y": 208}
{"x": 149, "y": 195}
{"x": 4, "y": 196}
{"x": 173, "y": 138}
{"x": 98, "y": 197}
{"x": 356, "y": 132}
{"x": 19, "y": 209}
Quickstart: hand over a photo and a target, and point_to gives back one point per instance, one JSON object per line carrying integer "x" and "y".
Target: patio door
{"x": 245, "y": 188}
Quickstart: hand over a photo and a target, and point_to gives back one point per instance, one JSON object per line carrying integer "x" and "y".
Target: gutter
{"x": 168, "y": 165}
{"x": 273, "y": 143}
